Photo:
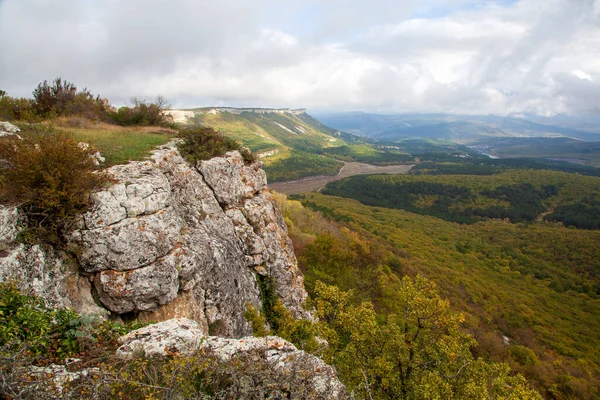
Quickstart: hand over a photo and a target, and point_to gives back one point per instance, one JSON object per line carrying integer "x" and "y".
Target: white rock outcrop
{"x": 181, "y": 336}
{"x": 8, "y": 129}
{"x": 168, "y": 240}
{"x": 167, "y": 228}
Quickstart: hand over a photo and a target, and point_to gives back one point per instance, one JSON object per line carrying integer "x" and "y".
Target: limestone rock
{"x": 9, "y": 224}
{"x": 263, "y": 214}
{"x": 132, "y": 243}
{"x": 43, "y": 273}
{"x": 52, "y": 379}
{"x": 294, "y": 365}
{"x": 230, "y": 179}
{"x": 141, "y": 289}
{"x": 9, "y": 130}
{"x": 166, "y": 229}
{"x": 187, "y": 305}
{"x": 95, "y": 156}
{"x": 180, "y": 336}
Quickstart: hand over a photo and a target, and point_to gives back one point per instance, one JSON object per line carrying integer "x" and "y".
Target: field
{"x": 117, "y": 144}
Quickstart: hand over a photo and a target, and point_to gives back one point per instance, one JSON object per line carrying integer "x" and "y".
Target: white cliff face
{"x": 167, "y": 230}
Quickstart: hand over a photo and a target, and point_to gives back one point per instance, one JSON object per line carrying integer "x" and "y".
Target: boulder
{"x": 163, "y": 230}
{"x": 297, "y": 371}
{"x": 9, "y": 130}
{"x": 54, "y": 277}
{"x": 178, "y": 336}
{"x": 166, "y": 228}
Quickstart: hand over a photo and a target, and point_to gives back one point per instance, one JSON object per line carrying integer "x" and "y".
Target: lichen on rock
{"x": 289, "y": 367}
{"x": 167, "y": 228}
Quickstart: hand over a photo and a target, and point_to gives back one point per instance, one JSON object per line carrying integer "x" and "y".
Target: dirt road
{"x": 316, "y": 183}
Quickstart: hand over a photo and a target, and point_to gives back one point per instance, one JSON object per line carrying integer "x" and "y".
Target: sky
{"x": 389, "y": 56}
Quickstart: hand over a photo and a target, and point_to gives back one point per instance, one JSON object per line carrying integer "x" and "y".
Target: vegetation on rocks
{"x": 532, "y": 283}
{"x": 36, "y": 342}
{"x": 50, "y": 177}
{"x": 205, "y": 143}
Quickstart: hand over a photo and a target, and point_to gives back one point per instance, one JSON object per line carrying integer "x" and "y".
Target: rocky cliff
{"x": 168, "y": 240}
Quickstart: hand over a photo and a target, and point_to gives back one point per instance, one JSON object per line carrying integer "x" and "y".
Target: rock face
{"x": 167, "y": 230}
{"x": 292, "y": 367}
{"x": 167, "y": 240}
{"x": 180, "y": 336}
{"x": 40, "y": 271}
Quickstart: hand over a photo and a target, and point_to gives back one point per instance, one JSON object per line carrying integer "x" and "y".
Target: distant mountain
{"x": 459, "y": 128}
{"x": 292, "y": 144}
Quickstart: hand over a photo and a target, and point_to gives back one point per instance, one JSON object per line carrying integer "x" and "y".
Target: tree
{"x": 55, "y": 97}
{"x": 418, "y": 353}
{"x": 143, "y": 113}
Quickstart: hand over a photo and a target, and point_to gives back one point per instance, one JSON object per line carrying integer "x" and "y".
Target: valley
{"x": 316, "y": 183}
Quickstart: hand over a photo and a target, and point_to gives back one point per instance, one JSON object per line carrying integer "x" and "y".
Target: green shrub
{"x": 281, "y": 322}
{"x": 50, "y": 177}
{"x": 12, "y": 108}
{"x": 25, "y": 319}
{"x": 142, "y": 113}
{"x": 62, "y": 98}
{"x": 205, "y": 143}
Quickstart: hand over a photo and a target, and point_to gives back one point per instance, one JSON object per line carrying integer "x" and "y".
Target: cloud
{"x": 450, "y": 56}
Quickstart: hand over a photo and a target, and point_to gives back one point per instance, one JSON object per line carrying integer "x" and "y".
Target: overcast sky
{"x": 460, "y": 56}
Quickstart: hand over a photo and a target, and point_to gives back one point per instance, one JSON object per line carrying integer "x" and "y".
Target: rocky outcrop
{"x": 9, "y": 130}
{"x": 291, "y": 367}
{"x": 178, "y": 336}
{"x": 167, "y": 230}
{"x": 42, "y": 271}
{"x": 168, "y": 240}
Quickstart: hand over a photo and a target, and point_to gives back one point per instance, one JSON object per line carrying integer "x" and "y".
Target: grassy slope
{"x": 118, "y": 144}
{"x": 488, "y": 271}
{"x": 290, "y": 145}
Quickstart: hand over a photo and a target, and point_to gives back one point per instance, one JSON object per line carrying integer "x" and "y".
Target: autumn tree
{"x": 417, "y": 353}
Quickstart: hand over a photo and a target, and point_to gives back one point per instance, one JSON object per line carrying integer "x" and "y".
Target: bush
{"x": 63, "y": 98}
{"x": 12, "y": 108}
{"x": 25, "y": 320}
{"x": 205, "y": 143}
{"x": 143, "y": 113}
{"x": 53, "y": 98}
{"x": 50, "y": 177}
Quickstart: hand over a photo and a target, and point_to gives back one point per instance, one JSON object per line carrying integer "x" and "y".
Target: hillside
{"x": 292, "y": 144}
{"x": 289, "y": 143}
{"x": 530, "y": 292}
{"x": 515, "y": 195}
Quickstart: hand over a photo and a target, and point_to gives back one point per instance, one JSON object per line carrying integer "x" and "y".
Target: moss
{"x": 269, "y": 299}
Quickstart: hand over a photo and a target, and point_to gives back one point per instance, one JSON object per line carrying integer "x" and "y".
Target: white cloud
{"x": 451, "y": 56}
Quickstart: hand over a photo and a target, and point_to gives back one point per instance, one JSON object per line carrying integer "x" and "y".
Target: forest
{"x": 514, "y": 195}
{"x": 529, "y": 292}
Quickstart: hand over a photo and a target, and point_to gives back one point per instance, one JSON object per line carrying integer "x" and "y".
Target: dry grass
{"x": 117, "y": 144}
